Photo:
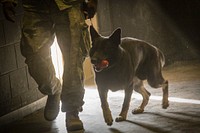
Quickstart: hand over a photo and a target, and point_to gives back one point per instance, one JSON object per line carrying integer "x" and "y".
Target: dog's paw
{"x": 165, "y": 105}
{"x": 137, "y": 111}
{"x": 109, "y": 121}
{"x": 120, "y": 118}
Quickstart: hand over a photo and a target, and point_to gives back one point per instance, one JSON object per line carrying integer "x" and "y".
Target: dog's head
{"x": 105, "y": 50}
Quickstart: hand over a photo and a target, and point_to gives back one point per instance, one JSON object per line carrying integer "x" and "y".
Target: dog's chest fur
{"x": 118, "y": 76}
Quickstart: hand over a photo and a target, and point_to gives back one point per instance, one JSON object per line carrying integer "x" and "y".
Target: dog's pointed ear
{"x": 94, "y": 34}
{"x": 115, "y": 37}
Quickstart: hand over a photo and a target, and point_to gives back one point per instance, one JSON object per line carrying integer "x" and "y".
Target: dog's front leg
{"x": 128, "y": 93}
{"x": 105, "y": 107}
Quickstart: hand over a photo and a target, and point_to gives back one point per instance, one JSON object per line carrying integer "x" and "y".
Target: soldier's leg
{"x": 71, "y": 44}
{"x": 37, "y": 37}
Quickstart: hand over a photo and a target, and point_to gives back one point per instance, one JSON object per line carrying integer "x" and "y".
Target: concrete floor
{"x": 183, "y": 115}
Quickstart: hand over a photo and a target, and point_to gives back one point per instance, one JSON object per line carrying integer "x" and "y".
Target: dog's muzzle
{"x": 99, "y": 65}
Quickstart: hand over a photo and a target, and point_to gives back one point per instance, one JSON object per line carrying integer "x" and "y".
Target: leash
{"x": 91, "y": 22}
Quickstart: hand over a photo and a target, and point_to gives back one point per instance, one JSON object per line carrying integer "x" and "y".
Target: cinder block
{"x": 20, "y": 58}
{"x": 4, "y": 107}
{"x": 2, "y": 38}
{"x": 5, "y": 88}
{"x": 10, "y": 105}
{"x": 19, "y": 82}
{"x": 12, "y": 31}
{"x": 7, "y": 59}
{"x": 24, "y": 111}
{"x": 15, "y": 103}
{"x": 29, "y": 97}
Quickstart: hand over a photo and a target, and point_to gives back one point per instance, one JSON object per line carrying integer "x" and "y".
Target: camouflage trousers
{"x": 38, "y": 33}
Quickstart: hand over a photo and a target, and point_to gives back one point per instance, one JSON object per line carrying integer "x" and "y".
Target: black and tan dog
{"x": 123, "y": 64}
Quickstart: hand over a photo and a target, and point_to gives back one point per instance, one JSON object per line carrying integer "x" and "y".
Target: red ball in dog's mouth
{"x": 103, "y": 64}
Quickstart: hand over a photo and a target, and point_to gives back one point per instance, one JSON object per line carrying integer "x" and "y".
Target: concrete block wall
{"x": 17, "y": 88}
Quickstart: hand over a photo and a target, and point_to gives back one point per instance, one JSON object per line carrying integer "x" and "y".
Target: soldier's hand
{"x": 90, "y": 8}
{"x": 9, "y": 11}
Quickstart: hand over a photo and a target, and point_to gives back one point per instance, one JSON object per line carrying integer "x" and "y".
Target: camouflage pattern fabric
{"x": 73, "y": 85}
{"x": 38, "y": 32}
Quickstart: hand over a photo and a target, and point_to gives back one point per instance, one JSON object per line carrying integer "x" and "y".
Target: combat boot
{"x": 52, "y": 107}
{"x": 73, "y": 123}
